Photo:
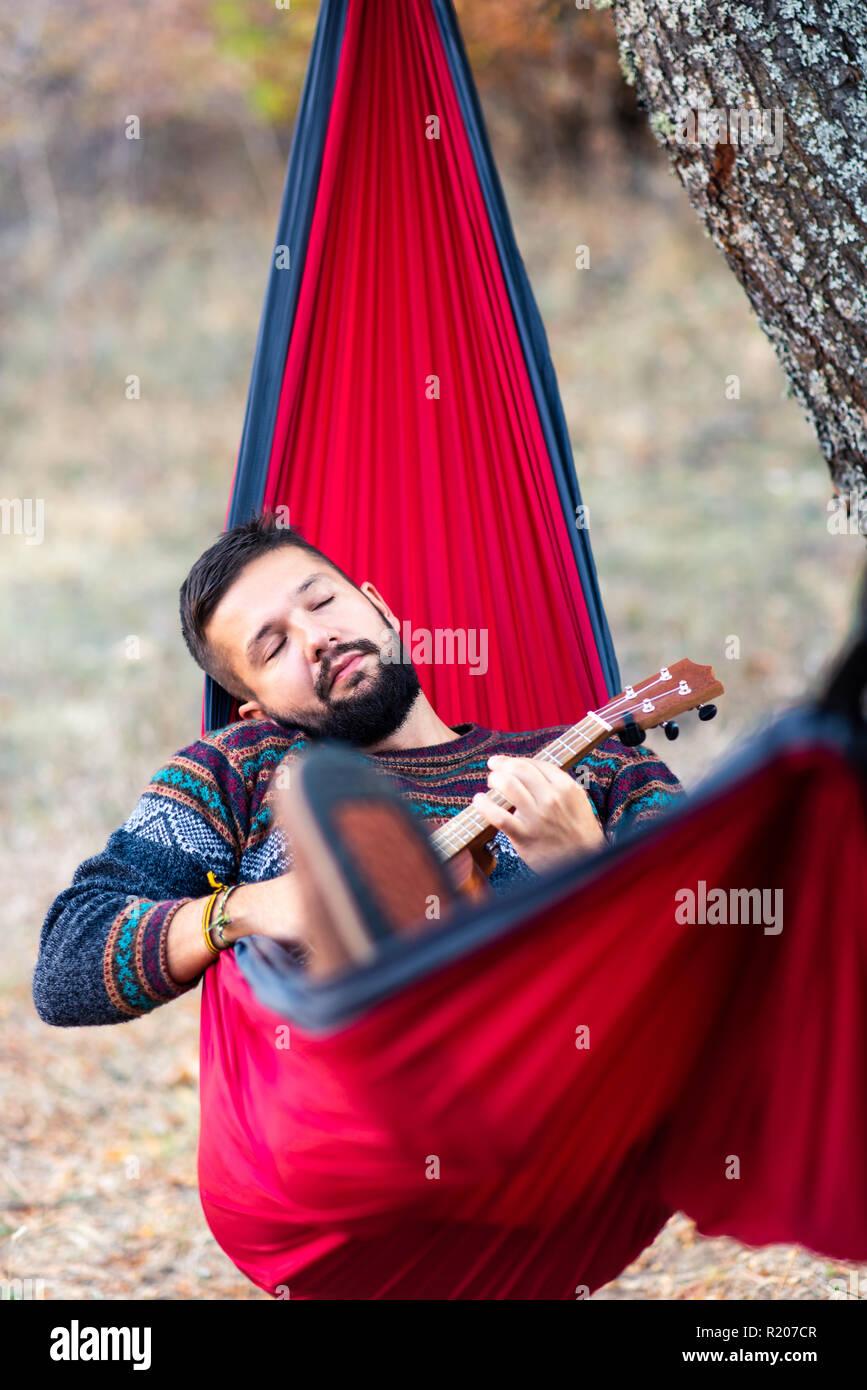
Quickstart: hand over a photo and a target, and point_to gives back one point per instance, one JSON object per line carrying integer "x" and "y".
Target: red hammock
{"x": 403, "y": 408}
{"x": 432, "y": 1130}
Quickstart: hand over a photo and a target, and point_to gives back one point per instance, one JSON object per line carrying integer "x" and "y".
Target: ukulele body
{"x": 471, "y": 869}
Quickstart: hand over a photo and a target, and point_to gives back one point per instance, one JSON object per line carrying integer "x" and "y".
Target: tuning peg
{"x": 671, "y": 730}
{"x": 707, "y": 712}
{"x": 631, "y": 734}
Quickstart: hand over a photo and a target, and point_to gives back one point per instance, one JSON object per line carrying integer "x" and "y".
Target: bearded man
{"x": 310, "y": 656}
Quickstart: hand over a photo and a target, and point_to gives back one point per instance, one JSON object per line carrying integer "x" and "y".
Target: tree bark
{"x": 793, "y": 224}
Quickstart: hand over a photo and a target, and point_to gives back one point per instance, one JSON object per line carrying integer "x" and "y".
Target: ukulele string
{"x": 451, "y": 837}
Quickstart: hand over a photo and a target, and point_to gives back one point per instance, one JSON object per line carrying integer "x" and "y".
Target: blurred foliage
{"x": 216, "y": 84}
{"x": 271, "y": 47}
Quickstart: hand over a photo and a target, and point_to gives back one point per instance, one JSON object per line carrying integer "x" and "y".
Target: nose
{"x": 314, "y": 636}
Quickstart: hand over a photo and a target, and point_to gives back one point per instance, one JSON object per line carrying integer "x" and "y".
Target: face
{"x": 318, "y": 654}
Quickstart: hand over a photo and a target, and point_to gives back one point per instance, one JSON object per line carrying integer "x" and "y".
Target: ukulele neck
{"x": 469, "y": 828}
{"x": 663, "y": 697}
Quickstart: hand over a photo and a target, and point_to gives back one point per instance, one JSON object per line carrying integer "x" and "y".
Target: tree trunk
{"x": 787, "y": 206}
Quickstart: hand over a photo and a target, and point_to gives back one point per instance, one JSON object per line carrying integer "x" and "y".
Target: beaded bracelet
{"x": 207, "y": 924}
{"x": 221, "y": 920}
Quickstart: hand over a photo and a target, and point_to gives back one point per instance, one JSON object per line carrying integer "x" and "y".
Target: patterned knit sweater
{"x": 102, "y": 956}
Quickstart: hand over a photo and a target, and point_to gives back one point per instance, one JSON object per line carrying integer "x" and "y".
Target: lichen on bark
{"x": 792, "y": 224}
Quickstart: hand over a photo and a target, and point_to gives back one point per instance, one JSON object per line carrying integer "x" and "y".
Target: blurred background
{"x": 150, "y": 257}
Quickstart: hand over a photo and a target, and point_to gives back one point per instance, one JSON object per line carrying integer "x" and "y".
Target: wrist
{"x": 267, "y": 908}
{"x": 237, "y": 916}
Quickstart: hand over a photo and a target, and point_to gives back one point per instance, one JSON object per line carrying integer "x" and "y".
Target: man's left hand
{"x": 553, "y": 819}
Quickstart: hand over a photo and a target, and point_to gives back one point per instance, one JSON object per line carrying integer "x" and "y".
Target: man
{"x": 309, "y": 654}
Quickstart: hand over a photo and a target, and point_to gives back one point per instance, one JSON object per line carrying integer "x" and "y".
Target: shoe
{"x": 367, "y": 870}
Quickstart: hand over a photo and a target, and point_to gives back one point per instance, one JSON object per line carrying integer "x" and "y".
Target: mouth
{"x": 345, "y": 666}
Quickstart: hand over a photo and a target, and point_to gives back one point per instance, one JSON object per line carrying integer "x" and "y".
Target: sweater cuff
{"x": 135, "y": 963}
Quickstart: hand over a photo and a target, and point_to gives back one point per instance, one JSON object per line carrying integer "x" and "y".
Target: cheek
{"x": 289, "y": 676}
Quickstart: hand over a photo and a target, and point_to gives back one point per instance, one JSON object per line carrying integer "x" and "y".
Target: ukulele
{"x": 657, "y": 701}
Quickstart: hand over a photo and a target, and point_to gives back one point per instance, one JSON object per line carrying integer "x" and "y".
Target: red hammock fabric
{"x": 402, "y": 283}
{"x": 557, "y": 1164}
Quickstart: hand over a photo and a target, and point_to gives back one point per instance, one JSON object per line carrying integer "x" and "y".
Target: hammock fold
{"x": 403, "y": 408}
{"x": 439, "y": 1125}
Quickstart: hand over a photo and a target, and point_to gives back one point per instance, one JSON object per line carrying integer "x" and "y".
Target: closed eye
{"x": 280, "y": 645}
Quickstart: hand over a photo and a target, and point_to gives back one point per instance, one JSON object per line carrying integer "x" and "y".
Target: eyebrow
{"x": 271, "y": 624}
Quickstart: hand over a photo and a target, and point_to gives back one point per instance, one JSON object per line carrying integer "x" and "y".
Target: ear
{"x": 370, "y": 591}
{"x": 250, "y": 710}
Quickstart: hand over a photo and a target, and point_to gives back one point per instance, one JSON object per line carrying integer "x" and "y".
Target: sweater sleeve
{"x": 102, "y": 953}
{"x": 628, "y": 786}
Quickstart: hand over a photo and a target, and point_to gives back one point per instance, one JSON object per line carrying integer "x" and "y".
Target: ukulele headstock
{"x": 659, "y": 700}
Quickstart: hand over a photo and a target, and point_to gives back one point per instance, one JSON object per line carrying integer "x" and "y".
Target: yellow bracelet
{"x": 206, "y": 920}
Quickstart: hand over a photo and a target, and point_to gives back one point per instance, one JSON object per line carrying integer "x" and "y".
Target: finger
{"x": 497, "y": 816}
{"x": 562, "y": 781}
{"x": 557, "y": 776}
{"x": 519, "y": 778}
{"x": 513, "y": 790}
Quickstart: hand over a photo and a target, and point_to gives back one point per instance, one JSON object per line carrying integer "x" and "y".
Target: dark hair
{"x": 214, "y": 573}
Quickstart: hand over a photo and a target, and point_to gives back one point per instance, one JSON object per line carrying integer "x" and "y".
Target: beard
{"x": 364, "y": 715}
